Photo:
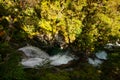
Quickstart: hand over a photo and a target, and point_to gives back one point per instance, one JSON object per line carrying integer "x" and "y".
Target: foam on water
{"x": 32, "y": 62}
{"x": 33, "y": 52}
{"x": 101, "y": 55}
{"x": 60, "y": 59}
{"x": 37, "y": 57}
{"x": 94, "y": 62}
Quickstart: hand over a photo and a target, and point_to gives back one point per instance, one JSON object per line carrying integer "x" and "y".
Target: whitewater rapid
{"x": 37, "y": 57}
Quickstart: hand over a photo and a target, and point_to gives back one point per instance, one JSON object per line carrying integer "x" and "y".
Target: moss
{"x": 62, "y": 75}
{"x": 10, "y": 69}
{"x": 111, "y": 68}
{"x": 87, "y": 72}
{"x": 46, "y": 74}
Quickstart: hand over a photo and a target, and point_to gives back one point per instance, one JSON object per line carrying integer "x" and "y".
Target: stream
{"x": 35, "y": 57}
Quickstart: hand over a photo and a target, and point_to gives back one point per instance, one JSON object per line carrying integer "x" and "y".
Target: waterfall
{"x": 37, "y": 57}
{"x": 60, "y": 59}
{"x": 33, "y": 62}
{"x": 34, "y": 52}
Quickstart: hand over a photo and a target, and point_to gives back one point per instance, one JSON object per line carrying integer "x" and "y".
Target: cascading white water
{"x": 95, "y": 62}
{"x": 33, "y": 62}
{"x": 37, "y": 57}
{"x": 34, "y": 52}
{"x": 60, "y": 59}
{"x": 100, "y": 56}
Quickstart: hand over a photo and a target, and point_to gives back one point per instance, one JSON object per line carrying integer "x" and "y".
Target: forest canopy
{"x": 84, "y": 24}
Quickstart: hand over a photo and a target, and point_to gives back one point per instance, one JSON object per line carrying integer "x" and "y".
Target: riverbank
{"x": 11, "y": 69}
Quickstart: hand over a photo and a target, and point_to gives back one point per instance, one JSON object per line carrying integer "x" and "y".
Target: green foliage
{"x": 87, "y": 72}
{"x": 86, "y": 24}
{"x": 54, "y": 76}
{"x": 10, "y": 69}
{"x": 98, "y": 24}
{"x": 111, "y": 68}
{"x": 56, "y": 16}
{"x": 47, "y": 74}
{"x": 90, "y": 24}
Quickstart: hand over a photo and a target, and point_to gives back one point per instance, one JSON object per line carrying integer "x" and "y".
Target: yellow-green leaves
{"x": 87, "y": 22}
{"x": 30, "y": 29}
{"x": 104, "y": 18}
{"x": 57, "y": 16}
{"x": 74, "y": 28}
{"x": 29, "y": 11}
{"x": 115, "y": 29}
{"x": 45, "y": 25}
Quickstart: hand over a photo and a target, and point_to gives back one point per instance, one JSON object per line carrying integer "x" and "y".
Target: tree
{"x": 86, "y": 24}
